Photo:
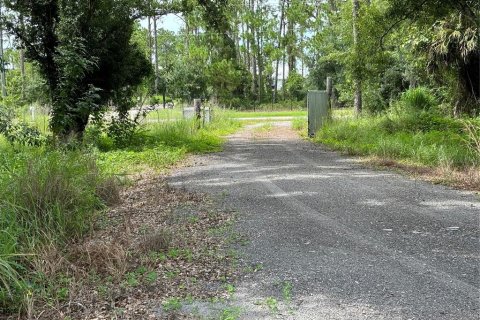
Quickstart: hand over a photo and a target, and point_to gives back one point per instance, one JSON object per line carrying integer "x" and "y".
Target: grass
{"x": 266, "y": 114}
{"x": 51, "y": 197}
{"x": 172, "y": 304}
{"x": 420, "y": 138}
{"x": 266, "y": 127}
{"x": 176, "y": 114}
{"x": 48, "y": 197}
{"x": 165, "y": 114}
{"x": 161, "y": 145}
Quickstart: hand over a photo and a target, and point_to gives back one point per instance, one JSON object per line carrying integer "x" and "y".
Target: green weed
{"x": 151, "y": 277}
{"x": 287, "y": 291}
{"x": 172, "y": 304}
{"x": 231, "y": 313}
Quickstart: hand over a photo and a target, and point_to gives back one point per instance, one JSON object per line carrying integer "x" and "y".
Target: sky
{"x": 174, "y": 23}
{"x": 169, "y": 22}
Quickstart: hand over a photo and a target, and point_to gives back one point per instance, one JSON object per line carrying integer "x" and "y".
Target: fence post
{"x": 329, "y": 91}
{"x": 197, "y": 108}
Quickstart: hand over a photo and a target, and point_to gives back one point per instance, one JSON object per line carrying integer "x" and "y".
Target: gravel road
{"x": 330, "y": 239}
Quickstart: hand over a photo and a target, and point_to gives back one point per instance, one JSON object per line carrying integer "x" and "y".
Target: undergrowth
{"x": 48, "y": 197}
{"x": 52, "y": 197}
{"x": 420, "y": 137}
{"x": 159, "y": 146}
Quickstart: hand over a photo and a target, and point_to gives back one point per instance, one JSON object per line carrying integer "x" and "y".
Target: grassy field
{"x": 51, "y": 197}
{"x": 164, "y": 114}
{"x": 264, "y": 114}
{"x": 175, "y": 114}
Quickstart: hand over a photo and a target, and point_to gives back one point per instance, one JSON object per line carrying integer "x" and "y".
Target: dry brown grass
{"x": 463, "y": 179}
{"x": 159, "y": 241}
{"x": 109, "y": 191}
{"x": 48, "y": 260}
{"x": 107, "y": 258}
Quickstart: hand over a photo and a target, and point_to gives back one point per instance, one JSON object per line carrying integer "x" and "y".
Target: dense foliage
{"x": 84, "y": 52}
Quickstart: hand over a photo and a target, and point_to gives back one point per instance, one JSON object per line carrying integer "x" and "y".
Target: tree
{"x": 357, "y": 104}
{"x": 84, "y": 52}
{"x": 448, "y": 32}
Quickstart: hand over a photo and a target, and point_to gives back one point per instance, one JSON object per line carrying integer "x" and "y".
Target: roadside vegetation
{"x": 52, "y": 197}
{"x": 413, "y": 134}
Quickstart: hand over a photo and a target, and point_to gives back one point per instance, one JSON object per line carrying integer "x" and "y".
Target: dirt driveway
{"x": 330, "y": 239}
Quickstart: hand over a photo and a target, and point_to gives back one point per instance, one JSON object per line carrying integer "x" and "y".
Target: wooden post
{"x": 329, "y": 91}
{"x": 197, "y": 106}
{"x": 329, "y": 86}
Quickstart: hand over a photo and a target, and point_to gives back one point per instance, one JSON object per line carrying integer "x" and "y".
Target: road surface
{"x": 330, "y": 239}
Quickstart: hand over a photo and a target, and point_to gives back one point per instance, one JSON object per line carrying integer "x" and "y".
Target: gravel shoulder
{"x": 331, "y": 239}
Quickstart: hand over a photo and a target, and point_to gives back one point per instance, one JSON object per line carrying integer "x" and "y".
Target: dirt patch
{"x": 159, "y": 246}
{"x": 276, "y": 131}
{"x": 467, "y": 179}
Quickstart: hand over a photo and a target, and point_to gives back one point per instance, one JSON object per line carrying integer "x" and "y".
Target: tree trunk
{"x": 22, "y": 63}
{"x": 260, "y": 69}
{"x": 149, "y": 39}
{"x": 301, "y": 51}
{"x": 2, "y": 64}
{"x": 164, "y": 93}
{"x": 155, "y": 44}
{"x": 283, "y": 66}
{"x": 291, "y": 43}
{"x": 277, "y": 63}
{"x": 254, "y": 52}
{"x": 357, "y": 78}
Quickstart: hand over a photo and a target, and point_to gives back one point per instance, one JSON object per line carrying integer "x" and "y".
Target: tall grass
{"x": 50, "y": 191}
{"x": 422, "y": 138}
{"x": 10, "y": 280}
{"x": 48, "y": 196}
{"x": 161, "y": 145}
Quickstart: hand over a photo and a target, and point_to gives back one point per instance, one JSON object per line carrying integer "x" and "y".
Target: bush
{"x": 295, "y": 86}
{"x": 125, "y": 132}
{"x": 19, "y": 133}
{"x": 418, "y": 99}
{"x": 158, "y": 99}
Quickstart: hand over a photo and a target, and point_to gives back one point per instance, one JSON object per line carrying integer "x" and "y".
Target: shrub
{"x": 295, "y": 86}
{"x": 19, "y": 133}
{"x": 158, "y": 99}
{"x": 125, "y": 132}
{"x": 418, "y": 99}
